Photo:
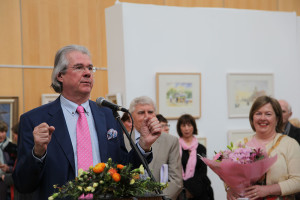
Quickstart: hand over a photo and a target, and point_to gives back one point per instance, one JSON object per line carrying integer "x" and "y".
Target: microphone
{"x": 102, "y": 102}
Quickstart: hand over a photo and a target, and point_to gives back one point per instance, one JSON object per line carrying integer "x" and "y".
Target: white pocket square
{"x": 112, "y": 133}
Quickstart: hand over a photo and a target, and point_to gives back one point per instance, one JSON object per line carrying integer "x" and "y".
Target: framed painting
{"x": 243, "y": 89}
{"x": 236, "y": 135}
{"x": 115, "y": 98}
{"x": 178, "y": 94}
{"x": 9, "y": 112}
{"x": 47, "y": 98}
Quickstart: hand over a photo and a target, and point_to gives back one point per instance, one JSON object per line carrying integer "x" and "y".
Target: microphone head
{"x": 99, "y": 101}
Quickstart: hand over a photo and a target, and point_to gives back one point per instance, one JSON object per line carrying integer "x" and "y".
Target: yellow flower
{"x": 79, "y": 188}
{"x": 89, "y": 189}
{"x": 95, "y": 185}
{"x": 132, "y": 181}
{"x": 101, "y": 182}
{"x": 80, "y": 172}
{"x": 142, "y": 170}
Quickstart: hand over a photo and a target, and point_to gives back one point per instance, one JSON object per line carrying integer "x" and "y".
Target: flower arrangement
{"x": 240, "y": 166}
{"x": 240, "y": 154}
{"x": 108, "y": 180}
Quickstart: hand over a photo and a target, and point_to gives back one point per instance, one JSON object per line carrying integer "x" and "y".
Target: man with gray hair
{"x": 166, "y": 163}
{"x": 289, "y": 129}
{"x": 72, "y": 132}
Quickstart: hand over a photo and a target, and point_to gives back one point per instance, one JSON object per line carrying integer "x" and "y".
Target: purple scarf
{"x": 191, "y": 164}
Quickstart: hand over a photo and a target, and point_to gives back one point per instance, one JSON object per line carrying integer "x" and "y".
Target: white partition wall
{"x": 145, "y": 39}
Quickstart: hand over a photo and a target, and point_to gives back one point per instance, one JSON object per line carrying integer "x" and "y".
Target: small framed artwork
{"x": 202, "y": 140}
{"x": 9, "y": 112}
{"x": 236, "y": 135}
{"x": 115, "y": 98}
{"x": 243, "y": 89}
{"x": 178, "y": 94}
{"x": 47, "y": 98}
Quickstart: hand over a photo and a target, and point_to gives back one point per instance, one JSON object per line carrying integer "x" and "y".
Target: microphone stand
{"x": 136, "y": 149}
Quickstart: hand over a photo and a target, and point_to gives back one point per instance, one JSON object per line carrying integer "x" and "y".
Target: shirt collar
{"x": 71, "y": 106}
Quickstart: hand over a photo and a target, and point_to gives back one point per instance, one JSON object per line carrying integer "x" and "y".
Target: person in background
{"x": 7, "y": 178}
{"x": 289, "y": 129}
{"x": 194, "y": 171}
{"x": 72, "y": 132}
{"x": 8, "y": 155}
{"x": 295, "y": 122}
{"x": 282, "y": 180}
{"x": 127, "y": 122}
{"x": 165, "y": 149}
{"x": 165, "y": 126}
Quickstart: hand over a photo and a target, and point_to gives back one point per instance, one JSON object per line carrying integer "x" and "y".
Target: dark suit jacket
{"x": 58, "y": 166}
{"x": 295, "y": 133}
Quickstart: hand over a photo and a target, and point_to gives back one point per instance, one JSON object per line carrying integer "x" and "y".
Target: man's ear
{"x": 291, "y": 113}
{"x": 59, "y": 77}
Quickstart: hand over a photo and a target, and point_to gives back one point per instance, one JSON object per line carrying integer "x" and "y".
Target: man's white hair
{"x": 142, "y": 100}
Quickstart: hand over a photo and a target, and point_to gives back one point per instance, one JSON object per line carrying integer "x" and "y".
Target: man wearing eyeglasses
{"x": 49, "y": 149}
{"x": 165, "y": 126}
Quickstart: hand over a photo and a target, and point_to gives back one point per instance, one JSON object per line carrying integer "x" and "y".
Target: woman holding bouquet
{"x": 194, "y": 171}
{"x": 282, "y": 180}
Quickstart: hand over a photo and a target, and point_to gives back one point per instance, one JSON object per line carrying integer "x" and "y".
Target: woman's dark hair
{"x": 186, "y": 119}
{"x": 260, "y": 102}
{"x": 3, "y": 126}
{"x": 15, "y": 129}
{"x": 161, "y": 118}
{"x": 125, "y": 117}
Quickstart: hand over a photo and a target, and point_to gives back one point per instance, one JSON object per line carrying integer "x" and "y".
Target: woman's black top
{"x": 199, "y": 185}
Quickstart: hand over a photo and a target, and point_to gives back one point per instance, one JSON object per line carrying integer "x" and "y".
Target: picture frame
{"x": 178, "y": 94}
{"x": 236, "y": 135}
{"x": 115, "y": 98}
{"x": 203, "y": 141}
{"x": 243, "y": 89}
{"x": 47, "y": 98}
{"x": 9, "y": 112}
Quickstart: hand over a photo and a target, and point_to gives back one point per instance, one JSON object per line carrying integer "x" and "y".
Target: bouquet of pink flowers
{"x": 240, "y": 166}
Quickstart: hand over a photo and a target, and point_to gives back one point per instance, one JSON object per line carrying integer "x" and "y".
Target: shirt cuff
{"x": 39, "y": 159}
{"x": 146, "y": 154}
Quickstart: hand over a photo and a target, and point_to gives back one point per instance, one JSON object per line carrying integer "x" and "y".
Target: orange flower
{"x": 116, "y": 177}
{"x": 119, "y": 166}
{"x": 136, "y": 176}
{"x": 112, "y": 171}
{"x": 99, "y": 168}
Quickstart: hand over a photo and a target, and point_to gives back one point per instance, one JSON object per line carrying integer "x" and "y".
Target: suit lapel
{"x": 61, "y": 133}
{"x": 101, "y": 129}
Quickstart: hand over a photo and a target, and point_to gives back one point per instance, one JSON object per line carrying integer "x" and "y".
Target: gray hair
{"x": 61, "y": 63}
{"x": 143, "y": 100}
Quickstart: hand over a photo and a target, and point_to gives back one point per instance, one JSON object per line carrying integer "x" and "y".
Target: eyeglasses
{"x": 165, "y": 125}
{"x": 81, "y": 68}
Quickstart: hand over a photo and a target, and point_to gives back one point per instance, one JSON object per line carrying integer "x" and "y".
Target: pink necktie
{"x": 84, "y": 145}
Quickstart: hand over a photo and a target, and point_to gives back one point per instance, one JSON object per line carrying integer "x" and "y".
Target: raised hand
{"x": 150, "y": 131}
{"x": 42, "y": 136}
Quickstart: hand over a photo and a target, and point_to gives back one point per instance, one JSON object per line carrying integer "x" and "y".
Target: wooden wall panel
{"x": 195, "y": 3}
{"x": 155, "y": 2}
{"x": 10, "y": 34}
{"x": 100, "y": 81}
{"x": 49, "y": 25}
{"x": 36, "y": 83}
{"x": 289, "y": 5}
{"x": 12, "y": 84}
{"x": 252, "y": 4}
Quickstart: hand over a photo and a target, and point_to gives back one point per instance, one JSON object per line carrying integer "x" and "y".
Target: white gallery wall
{"x": 145, "y": 39}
